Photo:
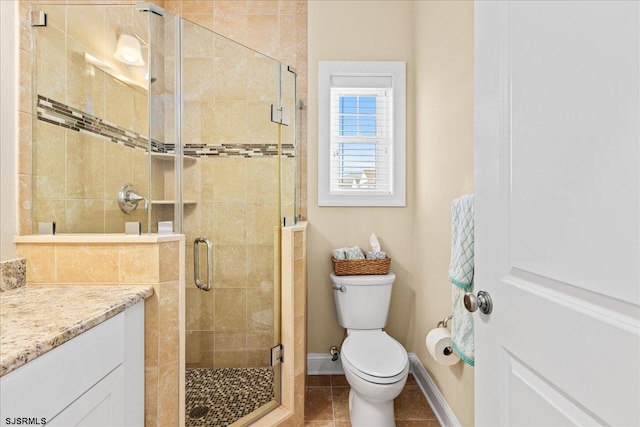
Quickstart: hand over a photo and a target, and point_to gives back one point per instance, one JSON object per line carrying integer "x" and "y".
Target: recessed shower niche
{"x": 204, "y": 128}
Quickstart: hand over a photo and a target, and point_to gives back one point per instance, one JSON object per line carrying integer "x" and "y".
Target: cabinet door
{"x": 52, "y": 382}
{"x": 101, "y": 405}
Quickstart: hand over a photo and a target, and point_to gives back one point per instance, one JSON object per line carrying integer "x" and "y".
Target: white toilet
{"x": 376, "y": 365}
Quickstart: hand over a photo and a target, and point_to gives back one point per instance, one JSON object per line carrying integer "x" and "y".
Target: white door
{"x": 557, "y": 213}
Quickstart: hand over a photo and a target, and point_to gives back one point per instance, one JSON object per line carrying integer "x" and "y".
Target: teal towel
{"x": 461, "y": 276}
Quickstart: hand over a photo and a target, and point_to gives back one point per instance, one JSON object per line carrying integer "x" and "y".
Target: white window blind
{"x": 361, "y": 134}
{"x": 361, "y": 139}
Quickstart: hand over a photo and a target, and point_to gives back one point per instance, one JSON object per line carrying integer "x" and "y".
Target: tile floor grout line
{"x": 426, "y": 419}
{"x": 333, "y": 404}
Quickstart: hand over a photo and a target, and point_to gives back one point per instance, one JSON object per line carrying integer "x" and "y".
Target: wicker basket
{"x": 356, "y": 267}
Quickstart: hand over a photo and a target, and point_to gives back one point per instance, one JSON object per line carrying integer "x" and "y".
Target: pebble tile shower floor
{"x": 218, "y": 397}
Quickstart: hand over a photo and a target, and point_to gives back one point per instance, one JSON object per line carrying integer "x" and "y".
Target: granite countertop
{"x": 35, "y": 319}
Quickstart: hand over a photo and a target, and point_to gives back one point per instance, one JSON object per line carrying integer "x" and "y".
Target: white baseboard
{"x": 321, "y": 364}
{"x": 441, "y": 409}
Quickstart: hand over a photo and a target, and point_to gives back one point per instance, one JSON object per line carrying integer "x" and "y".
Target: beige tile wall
{"x": 294, "y": 318}
{"x": 80, "y": 195}
{"x": 277, "y": 28}
{"x": 231, "y": 325}
{"x": 77, "y": 176}
{"x": 157, "y": 264}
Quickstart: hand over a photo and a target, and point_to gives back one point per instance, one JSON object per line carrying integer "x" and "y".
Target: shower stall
{"x": 147, "y": 121}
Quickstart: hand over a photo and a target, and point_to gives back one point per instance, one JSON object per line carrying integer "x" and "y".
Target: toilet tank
{"x": 362, "y": 302}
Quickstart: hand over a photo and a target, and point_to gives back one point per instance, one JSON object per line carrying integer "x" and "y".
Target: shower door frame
{"x": 179, "y": 211}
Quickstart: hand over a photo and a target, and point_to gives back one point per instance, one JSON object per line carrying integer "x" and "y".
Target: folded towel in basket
{"x": 353, "y": 253}
{"x": 348, "y": 253}
{"x": 338, "y": 253}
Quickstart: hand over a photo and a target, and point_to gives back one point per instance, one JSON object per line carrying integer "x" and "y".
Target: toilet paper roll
{"x": 437, "y": 341}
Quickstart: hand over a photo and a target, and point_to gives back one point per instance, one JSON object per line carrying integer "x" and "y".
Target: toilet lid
{"x": 374, "y": 353}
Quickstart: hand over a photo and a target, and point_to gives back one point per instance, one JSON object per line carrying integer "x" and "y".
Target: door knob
{"x": 482, "y": 301}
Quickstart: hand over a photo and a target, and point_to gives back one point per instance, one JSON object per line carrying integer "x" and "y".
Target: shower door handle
{"x": 196, "y": 264}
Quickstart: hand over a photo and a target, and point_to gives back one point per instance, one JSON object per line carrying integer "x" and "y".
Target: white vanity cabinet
{"x": 94, "y": 379}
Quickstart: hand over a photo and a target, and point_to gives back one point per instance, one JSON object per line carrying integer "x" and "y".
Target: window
{"x": 359, "y": 139}
{"x": 361, "y": 130}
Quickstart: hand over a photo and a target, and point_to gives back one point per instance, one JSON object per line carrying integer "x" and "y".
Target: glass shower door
{"x": 231, "y": 196}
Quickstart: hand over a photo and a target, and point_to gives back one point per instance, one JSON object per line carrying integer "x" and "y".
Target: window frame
{"x": 396, "y": 71}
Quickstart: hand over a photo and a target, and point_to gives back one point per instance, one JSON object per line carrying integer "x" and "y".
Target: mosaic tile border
{"x": 243, "y": 150}
{"x": 56, "y": 113}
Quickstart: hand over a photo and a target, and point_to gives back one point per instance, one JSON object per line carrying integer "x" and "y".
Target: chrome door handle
{"x": 482, "y": 302}
{"x": 196, "y": 264}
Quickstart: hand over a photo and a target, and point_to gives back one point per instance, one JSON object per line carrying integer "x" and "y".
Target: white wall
{"x": 358, "y": 31}
{"x": 435, "y": 38}
{"x": 444, "y": 150}
{"x": 8, "y": 126}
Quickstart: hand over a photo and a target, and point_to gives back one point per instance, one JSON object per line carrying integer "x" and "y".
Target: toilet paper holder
{"x": 443, "y": 323}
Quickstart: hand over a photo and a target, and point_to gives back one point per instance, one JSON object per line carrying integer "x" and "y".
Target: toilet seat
{"x": 374, "y": 356}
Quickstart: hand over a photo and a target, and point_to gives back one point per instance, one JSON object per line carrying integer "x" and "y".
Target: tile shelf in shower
{"x": 172, "y": 202}
{"x": 168, "y": 157}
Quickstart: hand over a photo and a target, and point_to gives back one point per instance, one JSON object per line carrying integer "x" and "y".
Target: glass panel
{"x": 231, "y": 198}
{"x": 289, "y": 158}
{"x": 91, "y": 131}
{"x": 165, "y": 164}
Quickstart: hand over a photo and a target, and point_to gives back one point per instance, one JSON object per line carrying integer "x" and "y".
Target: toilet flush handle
{"x": 339, "y": 288}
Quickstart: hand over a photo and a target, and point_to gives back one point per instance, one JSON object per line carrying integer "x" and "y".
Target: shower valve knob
{"x": 128, "y": 199}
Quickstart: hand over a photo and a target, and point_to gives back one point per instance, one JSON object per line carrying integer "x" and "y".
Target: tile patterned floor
{"x": 327, "y": 404}
{"x": 218, "y": 397}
